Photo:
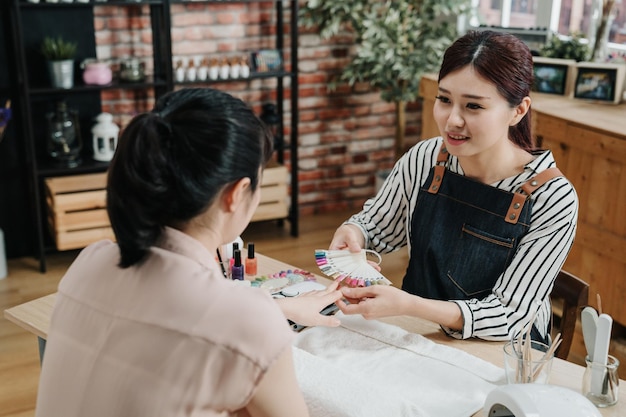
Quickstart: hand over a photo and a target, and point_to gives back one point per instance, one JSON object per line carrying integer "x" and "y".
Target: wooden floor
{"x": 19, "y": 358}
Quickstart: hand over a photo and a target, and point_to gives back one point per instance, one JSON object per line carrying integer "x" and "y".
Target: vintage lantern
{"x": 104, "y": 137}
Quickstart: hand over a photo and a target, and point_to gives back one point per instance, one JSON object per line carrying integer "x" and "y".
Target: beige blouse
{"x": 170, "y": 337}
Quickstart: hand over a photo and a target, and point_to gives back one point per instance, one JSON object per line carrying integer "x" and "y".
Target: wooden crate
{"x": 77, "y": 206}
{"x": 274, "y": 194}
{"x": 77, "y": 210}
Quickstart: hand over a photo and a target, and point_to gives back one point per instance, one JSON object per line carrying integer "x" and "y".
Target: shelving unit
{"x": 31, "y": 22}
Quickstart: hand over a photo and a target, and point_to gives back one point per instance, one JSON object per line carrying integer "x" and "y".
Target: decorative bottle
{"x": 235, "y": 68}
{"x": 179, "y": 71}
{"x": 214, "y": 70}
{"x": 224, "y": 69}
{"x": 191, "y": 71}
{"x": 245, "y": 68}
{"x": 203, "y": 70}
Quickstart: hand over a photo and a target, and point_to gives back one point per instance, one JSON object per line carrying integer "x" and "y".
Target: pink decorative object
{"x": 97, "y": 73}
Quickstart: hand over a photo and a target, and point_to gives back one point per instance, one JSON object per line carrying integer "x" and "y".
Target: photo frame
{"x": 553, "y": 75}
{"x": 599, "y": 82}
{"x": 267, "y": 60}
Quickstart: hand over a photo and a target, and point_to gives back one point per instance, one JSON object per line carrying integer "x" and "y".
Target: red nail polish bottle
{"x": 251, "y": 265}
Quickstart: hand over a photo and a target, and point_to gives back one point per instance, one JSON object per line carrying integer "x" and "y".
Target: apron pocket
{"x": 477, "y": 262}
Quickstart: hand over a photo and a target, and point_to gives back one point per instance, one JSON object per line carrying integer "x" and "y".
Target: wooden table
{"x": 34, "y": 316}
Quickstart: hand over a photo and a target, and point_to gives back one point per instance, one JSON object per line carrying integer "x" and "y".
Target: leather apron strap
{"x": 440, "y": 169}
{"x": 519, "y": 198}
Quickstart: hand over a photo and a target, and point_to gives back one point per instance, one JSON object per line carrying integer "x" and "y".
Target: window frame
{"x": 548, "y": 13}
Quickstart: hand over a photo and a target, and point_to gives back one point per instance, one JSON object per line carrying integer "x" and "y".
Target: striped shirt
{"x": 523, "y": 289}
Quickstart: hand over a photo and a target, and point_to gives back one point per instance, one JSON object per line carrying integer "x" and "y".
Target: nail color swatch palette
{"x": 351, "y": 269}
{"x": 277, "y": 281}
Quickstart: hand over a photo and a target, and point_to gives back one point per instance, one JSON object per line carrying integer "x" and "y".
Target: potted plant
{"x": 570, "y": 47}
{"x": 59, "y": 54}
{"x": 397, "y": 41}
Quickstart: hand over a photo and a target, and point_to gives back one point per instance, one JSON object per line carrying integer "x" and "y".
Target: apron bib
{"x": 464, "y": 233}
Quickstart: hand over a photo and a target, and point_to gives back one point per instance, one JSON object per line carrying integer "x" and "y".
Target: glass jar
{"x": 601, "y": 382}
{"x": 132, "y": 70}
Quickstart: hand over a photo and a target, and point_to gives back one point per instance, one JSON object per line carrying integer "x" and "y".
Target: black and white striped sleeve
{"x": 385, "y": 219}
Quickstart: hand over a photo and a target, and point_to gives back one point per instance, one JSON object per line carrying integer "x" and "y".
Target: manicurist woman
{"x": 487, "y": 218}
{"x": 148, "y": 326}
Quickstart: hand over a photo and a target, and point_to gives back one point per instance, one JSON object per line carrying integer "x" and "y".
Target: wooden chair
{"x": 572, "y": 294}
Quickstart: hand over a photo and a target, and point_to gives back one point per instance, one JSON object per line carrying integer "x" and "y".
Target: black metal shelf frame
{"x": 28, "y": 95}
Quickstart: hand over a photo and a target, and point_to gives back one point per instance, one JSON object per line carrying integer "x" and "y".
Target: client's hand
{"x": 374, "y": 302}
{"x": 305, "y": 308}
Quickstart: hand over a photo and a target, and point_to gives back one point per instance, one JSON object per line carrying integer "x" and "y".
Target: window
{"x": 562, "y": 16}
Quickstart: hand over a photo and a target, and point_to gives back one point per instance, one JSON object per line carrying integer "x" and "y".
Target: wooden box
{"x": 77, "y": 210}
{"x": 77, "y": 206}
{"x": 274, "y": 195}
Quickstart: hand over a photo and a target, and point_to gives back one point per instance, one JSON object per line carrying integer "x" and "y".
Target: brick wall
{"x": 345, "y": 135}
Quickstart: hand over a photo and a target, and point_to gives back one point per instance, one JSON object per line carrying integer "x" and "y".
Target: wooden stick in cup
{"x": 555, "y": 344}
{"x": 526, "y": 346}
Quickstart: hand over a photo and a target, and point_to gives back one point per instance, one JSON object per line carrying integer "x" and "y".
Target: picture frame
{"x": 267, "y": 60}
{"x": 601, "y": 82}
{"x": 553, "y": 75}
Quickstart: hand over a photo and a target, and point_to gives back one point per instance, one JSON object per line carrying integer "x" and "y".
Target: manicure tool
{"x": 589, "y": 319}
{"x": 601, "y": 352}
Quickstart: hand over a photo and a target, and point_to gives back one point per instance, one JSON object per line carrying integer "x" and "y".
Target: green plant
{"x": 57, "y": 49}
{"x": 397, "y": 41}
{"x": 571, "y": 47}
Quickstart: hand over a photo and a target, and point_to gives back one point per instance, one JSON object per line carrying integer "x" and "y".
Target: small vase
{"x": 61, "y": 73}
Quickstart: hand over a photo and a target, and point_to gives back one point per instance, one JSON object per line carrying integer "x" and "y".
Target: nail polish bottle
{"x": 237, "y": 270}
{"x": 251, "y": 266}
{"x": 231, "y": 262}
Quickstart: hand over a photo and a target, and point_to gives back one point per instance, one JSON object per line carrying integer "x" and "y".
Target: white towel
{"x": 368, "y": 368}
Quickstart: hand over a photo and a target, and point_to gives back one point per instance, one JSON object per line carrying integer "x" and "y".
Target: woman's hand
{"x": 375, "y": 302}
{"x": 348, "y": 236}
{"x": 305, "y": 308}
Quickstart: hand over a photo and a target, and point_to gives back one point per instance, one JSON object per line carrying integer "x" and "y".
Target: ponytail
{"x": 171, "y": 163}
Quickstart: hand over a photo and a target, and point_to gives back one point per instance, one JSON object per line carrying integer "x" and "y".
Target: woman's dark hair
{"x": 172, "y": 162}
{"x": 502, "y": 59}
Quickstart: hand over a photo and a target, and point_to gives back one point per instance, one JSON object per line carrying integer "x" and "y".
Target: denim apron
{"x": 464, "y": 233}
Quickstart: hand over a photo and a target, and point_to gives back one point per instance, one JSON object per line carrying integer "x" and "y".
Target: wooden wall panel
{"x": 603, "y": 180}
{"x": 576, "y": 172}
{"x": 619, "y": 221}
